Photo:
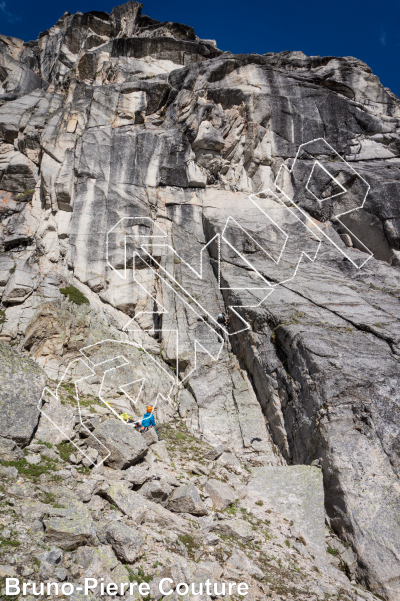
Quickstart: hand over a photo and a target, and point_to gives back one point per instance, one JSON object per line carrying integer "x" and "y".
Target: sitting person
{"x": 148, "y": 420}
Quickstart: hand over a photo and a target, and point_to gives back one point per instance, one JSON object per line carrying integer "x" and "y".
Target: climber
{"x": 222, "y": 322}
{"x": 147, "y": 422}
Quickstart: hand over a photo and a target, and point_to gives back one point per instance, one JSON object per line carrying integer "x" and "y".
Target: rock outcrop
{"x": 148, "y": 182}
{"x": 22, "y": 384}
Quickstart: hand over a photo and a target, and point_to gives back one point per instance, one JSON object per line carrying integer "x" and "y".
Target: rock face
{"x": 297, "y": 492}
{"x": 159, "y": 181}
{"x": 21, "y": 386}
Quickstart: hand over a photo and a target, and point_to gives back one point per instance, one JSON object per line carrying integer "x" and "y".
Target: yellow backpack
{"x": 125, "y": 416}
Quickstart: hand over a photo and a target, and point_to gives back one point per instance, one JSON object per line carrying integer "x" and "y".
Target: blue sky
{"x": 366, "y": 29}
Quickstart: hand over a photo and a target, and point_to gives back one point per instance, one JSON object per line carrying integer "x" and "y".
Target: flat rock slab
{"x": 237, "y": 528}
{"x": 137, "y": 475}
{"x": 21, "y": 386}
{"x": 7, "y": 571}
{"x": 296, "y": 492}
{"x": 239, "y": 561}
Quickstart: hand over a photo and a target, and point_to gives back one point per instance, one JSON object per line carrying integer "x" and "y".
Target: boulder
{"x": 74, "y": 527}
{"x": 89, "y": 459}
{"x": 85, "y": 554}
{"x": 120, "y": 575}
{"x": 215, "y": 452}
{"x": 124, "y": 445}
{"x": 33, "y": 510}
{"x": 160, "y": 449}
{"x": 33, "y": 459}
{"x": 141, "y": 510}
{"x": 126, "y": 542}
{"x": 137, "y": 475}
{"x": 99, "y": 565}
{"x": 21, "y": 385}
{"x": 57, "y": 421}
{"x": 186, "y": 499}
{"x": 156, "y": 490}
{"x": 231, "y": 462}
{"x": 86, "y": 490}
{"x": 9, "y": 451}
{"x": 48, "y": 561}
{"x": 129, "y": 502}
{"x": 220, "y": 493}
{"x": 211, "y": 539}
{"x": 150, "y": 436}
{"x": 9, "y": 472}
{"x": 7, "y": 571}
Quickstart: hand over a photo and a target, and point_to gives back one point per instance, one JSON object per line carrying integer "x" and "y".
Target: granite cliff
{"x": 149, "y": 181}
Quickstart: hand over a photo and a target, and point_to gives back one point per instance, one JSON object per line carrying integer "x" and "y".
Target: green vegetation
{"x": 233, "y": 509}
{"x": 65, "y": 449}
{"x": 139, "y": 577}
{"x": 67, "y": 393}
{"x": 3, "y": 318}
{"x": 46, "y": 444}
{"x": 181, "y": 443}
{"x": 48, "y": 498}
{"x": 190, "y": 543}
{"x": 31, "y": 471}
{"x": 333, "y": 551}
{"x": 10, "y": 542}
{"x": 260, "y": 503}
{"x": 23, "y": 194}
{"x": 75, "y": 295}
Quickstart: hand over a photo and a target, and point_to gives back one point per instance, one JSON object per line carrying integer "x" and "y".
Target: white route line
{"x": 149, "y": 260}
{"x": 335, "y": 217}
{"x": 320, "y": 200}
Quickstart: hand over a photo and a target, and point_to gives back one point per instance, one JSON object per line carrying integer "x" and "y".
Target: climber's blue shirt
{"x": 148, "y": 420}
